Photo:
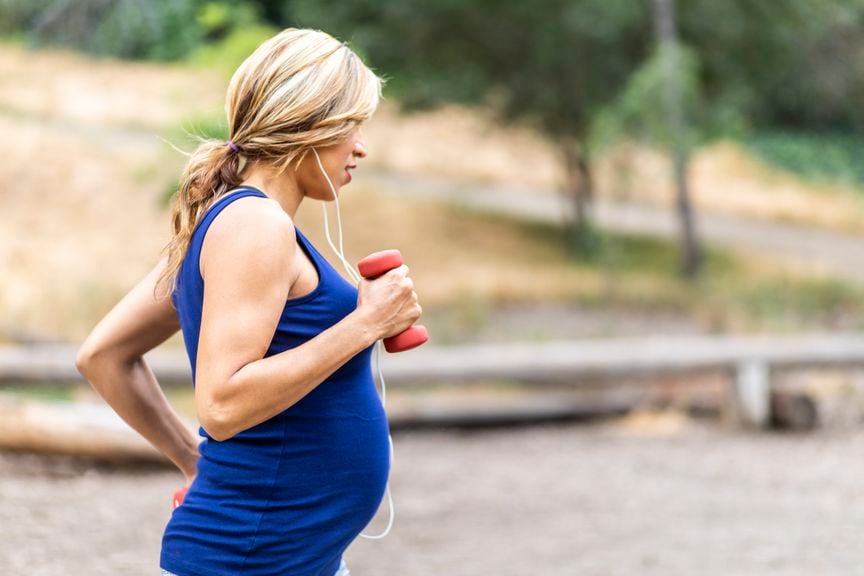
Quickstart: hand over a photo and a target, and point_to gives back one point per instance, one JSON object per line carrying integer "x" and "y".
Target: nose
{"x": 359, "y": 147}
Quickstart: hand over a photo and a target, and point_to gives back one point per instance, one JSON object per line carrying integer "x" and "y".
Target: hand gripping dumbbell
{"x": 375, "y": 265}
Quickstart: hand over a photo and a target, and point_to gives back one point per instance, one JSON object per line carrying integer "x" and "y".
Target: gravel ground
{"x": 650, "y": 495}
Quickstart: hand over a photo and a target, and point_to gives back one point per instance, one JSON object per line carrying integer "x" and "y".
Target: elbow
{"x": 92, "y": 357}
{"x": 87, "y": 357}
{"x": 216, "y": 421}
{"x": 217, "y": 433}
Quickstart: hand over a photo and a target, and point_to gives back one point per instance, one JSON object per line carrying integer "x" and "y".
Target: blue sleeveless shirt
{"x": 287, "y": 496}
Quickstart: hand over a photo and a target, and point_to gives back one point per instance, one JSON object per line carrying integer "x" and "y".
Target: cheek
{"x": 336, "y": 167}
{"x": 310, "y": 179}
{"x": 312, "y": 172}
{"x": 315, "y": 182}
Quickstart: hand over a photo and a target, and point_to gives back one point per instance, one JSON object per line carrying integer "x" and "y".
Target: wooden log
{"x": 95, "y": 431}
{"x": 793, "y": 411}
{"x": 83, "y": 429}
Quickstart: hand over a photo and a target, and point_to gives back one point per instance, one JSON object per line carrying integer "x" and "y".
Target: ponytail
{"x": 212, "y": 170}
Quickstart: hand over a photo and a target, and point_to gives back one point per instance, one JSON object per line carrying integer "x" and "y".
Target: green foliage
{"x": 551, "y": 62}
{"x": 19, "y": 15}
{"x": 203, "y": 127}
{"x": 787, "y": 303}
{"x": 139, "y": 29}
{"x": 639, "y": 111}
{"x": 814, "y": 155}
{"x": 43, "y": 392}
{"x": 228, "y": 53}
{"x": 233, "y": 30}
{"x": 784, "y": 62}
{"x": 219, "y": 19}
{"x": 186, "y": 138}
{"x": 733, "y": 294}
{"x": 157, "y": 29}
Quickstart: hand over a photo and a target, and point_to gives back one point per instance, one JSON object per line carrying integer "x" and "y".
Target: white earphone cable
{"x": 355, "y": 276}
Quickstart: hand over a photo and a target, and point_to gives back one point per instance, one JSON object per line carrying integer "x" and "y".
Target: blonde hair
{"x": 299, "y": 90}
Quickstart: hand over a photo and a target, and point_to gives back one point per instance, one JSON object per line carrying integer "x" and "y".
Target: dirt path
{"x": 661, "y": 496}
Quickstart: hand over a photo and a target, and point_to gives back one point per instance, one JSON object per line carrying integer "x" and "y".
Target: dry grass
{"x": 77, "y": 89}
{"x": 452, "y": 254}
{"x": 77, "y": 228}
{"x": 724, "y": 179}
{"x": 83, "y": 173}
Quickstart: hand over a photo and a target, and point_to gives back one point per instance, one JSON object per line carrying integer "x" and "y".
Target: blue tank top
{"x": 287, "y": 496}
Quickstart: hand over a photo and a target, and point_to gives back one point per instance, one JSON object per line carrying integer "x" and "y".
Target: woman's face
{"x": 337, "y": 159}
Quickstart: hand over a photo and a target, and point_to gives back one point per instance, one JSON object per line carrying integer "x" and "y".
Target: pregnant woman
{"x": 295, "y": 454}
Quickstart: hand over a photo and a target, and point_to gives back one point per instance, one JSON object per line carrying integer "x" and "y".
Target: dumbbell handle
{"x": 375, "y": 265}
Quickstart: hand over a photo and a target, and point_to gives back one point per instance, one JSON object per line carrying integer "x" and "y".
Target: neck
{"x": 281, "y": 187}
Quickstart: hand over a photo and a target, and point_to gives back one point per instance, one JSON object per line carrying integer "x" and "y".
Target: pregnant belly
{"x": 347, "y": 456}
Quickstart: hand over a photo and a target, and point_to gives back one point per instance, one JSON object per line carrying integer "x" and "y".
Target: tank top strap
{"x": 222, "y": 202}
{"x": 310, "y": 248}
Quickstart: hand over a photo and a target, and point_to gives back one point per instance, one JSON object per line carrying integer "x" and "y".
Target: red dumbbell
{"x": 179, "y": 495}
{"x": 375, "y": 265}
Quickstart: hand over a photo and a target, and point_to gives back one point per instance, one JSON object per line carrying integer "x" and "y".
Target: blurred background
{"x": 634, "y": 225}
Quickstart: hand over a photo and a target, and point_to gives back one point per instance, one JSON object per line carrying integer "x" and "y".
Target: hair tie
{"x": 233, "y": 146}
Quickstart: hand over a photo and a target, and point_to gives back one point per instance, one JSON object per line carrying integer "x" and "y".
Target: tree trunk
{"x": 691, "y": 256}
{"x": 579, "y": 191}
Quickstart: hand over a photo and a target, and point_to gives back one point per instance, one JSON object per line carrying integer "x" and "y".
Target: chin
{"x": 328, "y": 195}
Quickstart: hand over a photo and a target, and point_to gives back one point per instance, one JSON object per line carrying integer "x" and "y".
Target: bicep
{"x": 136, "y": 324}
{"x": 248, "y": 267}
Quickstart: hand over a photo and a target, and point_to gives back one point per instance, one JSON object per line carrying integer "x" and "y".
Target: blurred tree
{"x": 792, "y": 63}
{"x": 662, "y": 105}
{"x": 155, "y": 29}
{"x": 646, "y": 111}
{"x": 137, "y": 29}
{"x": 218, "y": 19}
{"x": 17, "y": 16}
{"x": 551, "y": 63}
{"x": 669, "y": 55}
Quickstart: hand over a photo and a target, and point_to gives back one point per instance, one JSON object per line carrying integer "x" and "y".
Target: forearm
{"x": 266, "y": 387}
{"x": 131, "y": 389}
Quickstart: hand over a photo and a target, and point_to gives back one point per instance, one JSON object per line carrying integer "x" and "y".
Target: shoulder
{"x": 251, "y": 211}
{"x": 250, "y": 233}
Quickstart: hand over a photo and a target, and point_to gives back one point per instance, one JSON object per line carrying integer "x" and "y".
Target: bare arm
{"x": 248, "y": 267}
{"x": 111, "y": 358}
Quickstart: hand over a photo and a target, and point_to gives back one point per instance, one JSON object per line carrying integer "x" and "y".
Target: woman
{"x": 295, "y": 454}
